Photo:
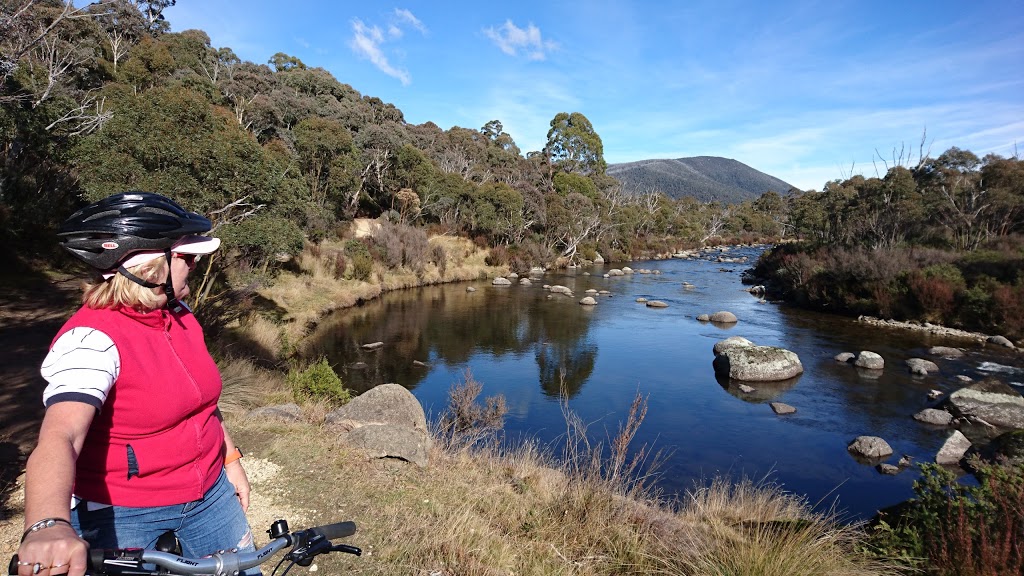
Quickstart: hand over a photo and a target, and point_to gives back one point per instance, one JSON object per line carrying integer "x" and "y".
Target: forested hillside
{"x": 706, "y": 178}
{"x": 101, "y": 98}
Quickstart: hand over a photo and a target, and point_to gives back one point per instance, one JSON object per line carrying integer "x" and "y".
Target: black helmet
{"x": 107, "y": 232}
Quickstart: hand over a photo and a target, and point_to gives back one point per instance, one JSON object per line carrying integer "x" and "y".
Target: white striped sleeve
{"x": 81, "y": 367}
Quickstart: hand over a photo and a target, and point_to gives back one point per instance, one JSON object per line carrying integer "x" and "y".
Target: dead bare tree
{"x": 87, "y": 118}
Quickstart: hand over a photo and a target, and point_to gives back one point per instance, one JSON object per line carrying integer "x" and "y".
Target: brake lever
{"x": 346, "y": 549}
{"x": 303, "y": 554}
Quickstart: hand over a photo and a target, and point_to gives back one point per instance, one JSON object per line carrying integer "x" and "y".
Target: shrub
{"x": 1009, "y": 302}
{"x": 318, "y": 382}
{"x": 959, "y": 529}
{"x": 977, "y": 307}
{"x": 497, "y": 256}
{"x": 935, "y": 297}
{"x": 439, "y": 256}
{"x": 339, "y": 265}
{"x": 402, "y": 246}
{"x": 464, "y": 421}
{"x": 362, "y": 262}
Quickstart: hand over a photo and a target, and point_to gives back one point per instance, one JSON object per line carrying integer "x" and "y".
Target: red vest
{"x": 157, "y": 440}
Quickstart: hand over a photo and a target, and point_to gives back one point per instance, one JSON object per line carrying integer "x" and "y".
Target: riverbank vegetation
{"x": 579, "y": 507}
{"x": 940, "y": 240}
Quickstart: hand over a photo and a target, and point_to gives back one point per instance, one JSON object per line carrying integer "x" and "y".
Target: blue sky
{"x": 804, "y": 91}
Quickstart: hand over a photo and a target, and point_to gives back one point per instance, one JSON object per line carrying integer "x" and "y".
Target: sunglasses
{"x": 190, "y": 259}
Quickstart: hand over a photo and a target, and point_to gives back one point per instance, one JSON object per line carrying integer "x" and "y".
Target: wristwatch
{"x": 232, "y": 456}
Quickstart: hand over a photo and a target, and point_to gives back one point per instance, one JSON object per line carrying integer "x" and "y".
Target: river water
{"x": 523, "y": 343}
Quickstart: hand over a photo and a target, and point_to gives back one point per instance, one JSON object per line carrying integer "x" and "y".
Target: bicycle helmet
{"x": 107, "y": 233}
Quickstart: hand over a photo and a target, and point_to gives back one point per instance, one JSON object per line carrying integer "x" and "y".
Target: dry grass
{"x": 481, "y": 509}
{"x": 316, "y": 291}
{"x": 246, "y": 386}
{"x": 484, "y": 510}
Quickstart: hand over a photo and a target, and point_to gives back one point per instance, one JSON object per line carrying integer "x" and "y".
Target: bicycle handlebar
{"x": 306, "y": 545}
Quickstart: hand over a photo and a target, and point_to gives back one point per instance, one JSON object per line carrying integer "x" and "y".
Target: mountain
{"x": 705, "y": 178}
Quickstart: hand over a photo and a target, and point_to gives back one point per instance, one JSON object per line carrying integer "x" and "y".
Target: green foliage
{"x": 361, "y": 263}
{"x": 574, "y": 146}
{"x": 961, "y": 529}
{"x": 262, "y": 239}
{"x": 318, "y": 382}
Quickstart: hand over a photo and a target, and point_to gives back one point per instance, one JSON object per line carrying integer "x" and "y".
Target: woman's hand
{"x": 56, "y": 550}
{"x": 236, "y": 474}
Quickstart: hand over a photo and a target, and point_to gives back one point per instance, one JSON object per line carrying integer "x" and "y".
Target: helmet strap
{"x": 173, "y": 304}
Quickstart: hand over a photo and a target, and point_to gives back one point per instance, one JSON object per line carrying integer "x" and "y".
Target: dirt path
{"x": 30, "y": 315}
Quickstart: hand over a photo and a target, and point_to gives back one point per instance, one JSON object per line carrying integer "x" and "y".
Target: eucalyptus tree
{"x": 153, "y": 12}
{"x": 573, "y": 214}
{"x": 956, "y": 197}
{"x": 574, "y": 146}
{"x": 327, "y": 157}
{"x": 1004, "y": 180}
{"x": 123, "y": 25}
{"x": 807, "y": 215}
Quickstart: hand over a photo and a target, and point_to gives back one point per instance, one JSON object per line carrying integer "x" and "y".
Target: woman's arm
{"x": 49, "y": 481}
{"x": 236, "y": 474}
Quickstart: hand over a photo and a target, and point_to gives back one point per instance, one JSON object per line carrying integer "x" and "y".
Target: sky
{"x": 806, "y": 91}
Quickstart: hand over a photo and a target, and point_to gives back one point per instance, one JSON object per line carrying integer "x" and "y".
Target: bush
{"x": 362, "y": 262}
{"x": 967, "y": 530}
{"x": 1009, "y": 302}
{"x": 935, "y": 289}
{"x": 402, "y": 246}
{"x": 439, "y": 256}
{"x": 318, "y": 382}
{"x": 465, "y": 421}
{"x": 497, "y": 256}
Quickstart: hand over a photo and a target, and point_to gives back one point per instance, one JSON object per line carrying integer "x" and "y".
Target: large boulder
{"x": 953, "y": 449}
{"x": 394, "y": 421}
{"x": 731, "y": 342}
{"x": 282, "y": 413}
{"x": 991, "y": 401}
{"x": 1000, "y": 341}
{"x": 724, "y": 317}
{"x": 869, "y": 360}
{"x": 934, "y": 417}
{"x": 758, "y": 363}
{"x": 871, "y": 447}
{"x": 1006, "y": 448}
{"x": 946, "y": 352}
{"x": 921, "y": 367}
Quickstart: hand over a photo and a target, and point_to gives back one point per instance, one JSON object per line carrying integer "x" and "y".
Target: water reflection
{"x": 448, "y": 325}
{"x": 527, "y": 344}
{"x": 761, "y": 391}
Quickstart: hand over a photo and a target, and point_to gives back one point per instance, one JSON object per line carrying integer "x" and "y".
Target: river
{"x": 526, "y": 344}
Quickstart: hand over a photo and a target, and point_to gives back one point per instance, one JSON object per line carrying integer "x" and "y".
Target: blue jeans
{"x": 214, "y": 522}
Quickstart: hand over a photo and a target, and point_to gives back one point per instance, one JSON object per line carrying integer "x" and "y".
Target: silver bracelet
{"x": 44, "y": 523}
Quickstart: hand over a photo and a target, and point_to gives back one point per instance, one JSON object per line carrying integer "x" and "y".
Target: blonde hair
{"x": 118, "y": 290}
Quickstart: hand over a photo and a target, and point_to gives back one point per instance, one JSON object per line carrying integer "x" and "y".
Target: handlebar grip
{"x": 338, "y": 530}
{"x": 12, "y": 568}
{"x": 94, "y": 560}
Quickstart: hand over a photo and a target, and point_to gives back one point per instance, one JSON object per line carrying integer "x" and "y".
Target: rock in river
{"x": 758, "y": 363}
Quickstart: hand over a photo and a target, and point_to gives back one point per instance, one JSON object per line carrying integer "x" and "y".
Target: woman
{"x": 132, "y": 436}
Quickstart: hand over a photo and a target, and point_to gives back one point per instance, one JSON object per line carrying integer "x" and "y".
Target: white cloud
{"x": 408, "y": 17}
{"x": 367, "y": 43}
{"x": 511, "y": 39}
